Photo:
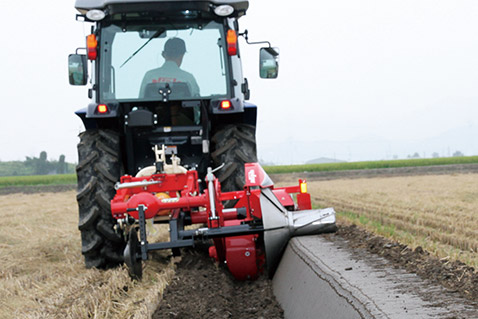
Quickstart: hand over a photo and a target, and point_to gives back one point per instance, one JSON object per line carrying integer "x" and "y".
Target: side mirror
{"x": 269, "y": 63}
{"x": 77, "y": 69}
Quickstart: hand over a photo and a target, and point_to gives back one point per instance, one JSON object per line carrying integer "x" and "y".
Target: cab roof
{"x": 124, "y": 6}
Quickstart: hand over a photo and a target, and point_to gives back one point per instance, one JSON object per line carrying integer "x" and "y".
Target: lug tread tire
{"x": 112, "y": 254}
{"x": 240, "y": 155}
{"x": 87, "y": 189}
{"x": 106, "y": 229}
{"x": 234, "y": 145}
{"x": 106, "y": 149}
{"x": 94, "y": 263}
{"x": 105, "y": 173}
{"x": 87, "y": 220}
{"x": 90, "y": 242}
{"x": 224, "y": 148}
{"x": 97, "y": 172}
{"x": 103, "y": 202}
{"x": 87, "y": 161}
{"x": 226, "y": 172}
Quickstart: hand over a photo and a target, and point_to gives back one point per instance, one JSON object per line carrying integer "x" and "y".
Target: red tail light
{"x": 102, "y": 108}
{"x": 226, "y": 104}
{"x": 91, "y": 45}
{"x": 231, "y": 39}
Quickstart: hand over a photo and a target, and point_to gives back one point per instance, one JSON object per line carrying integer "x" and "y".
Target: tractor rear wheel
{"x": 233, "y": 145}
{"x": 98, "y": 170}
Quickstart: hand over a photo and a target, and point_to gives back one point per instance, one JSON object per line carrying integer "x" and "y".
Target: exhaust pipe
{"x": 280, "y": 225}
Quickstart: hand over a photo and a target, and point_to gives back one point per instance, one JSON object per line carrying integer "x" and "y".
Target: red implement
{"x": 237, "y": 233}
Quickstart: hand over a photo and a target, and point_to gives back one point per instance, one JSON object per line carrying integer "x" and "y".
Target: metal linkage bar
{"x": 142, "y": 232}
{"x": 175, "y": 242}
{"x": 228, "y": 231}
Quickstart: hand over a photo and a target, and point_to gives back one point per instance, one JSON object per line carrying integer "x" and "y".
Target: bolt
{"x": 247, "y": 254}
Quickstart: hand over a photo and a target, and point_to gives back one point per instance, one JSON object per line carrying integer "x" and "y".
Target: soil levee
{"x": 330, "y": 278}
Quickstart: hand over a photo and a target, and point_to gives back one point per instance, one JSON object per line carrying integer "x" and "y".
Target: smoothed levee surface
{"x": 330, "y": 275}
{"x": 42, "y": 272}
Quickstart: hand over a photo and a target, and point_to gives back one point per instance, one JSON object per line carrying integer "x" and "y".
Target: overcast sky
{"x": 358, "y": 80}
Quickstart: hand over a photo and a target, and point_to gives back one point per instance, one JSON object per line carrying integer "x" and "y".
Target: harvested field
{"x": 42, "y": 273}
{"x": 436, "y": 212}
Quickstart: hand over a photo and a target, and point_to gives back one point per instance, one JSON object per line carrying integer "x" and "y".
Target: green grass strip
{"x": 63, "y": 179}
{"x": 384, "y": 230}
{"x": 327, "y": 167}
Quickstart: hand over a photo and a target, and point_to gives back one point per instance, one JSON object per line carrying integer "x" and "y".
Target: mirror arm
{"x": 81, "y": 18}
{"x": 76, "y": 51}
{"x": 245, "y": 35}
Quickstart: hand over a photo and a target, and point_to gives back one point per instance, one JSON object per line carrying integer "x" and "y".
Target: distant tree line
{"x": 37, "y": 166}
{"x": 436, "y": 155}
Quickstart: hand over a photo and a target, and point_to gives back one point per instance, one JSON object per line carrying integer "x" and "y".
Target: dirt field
{"x": 202, "y": 290}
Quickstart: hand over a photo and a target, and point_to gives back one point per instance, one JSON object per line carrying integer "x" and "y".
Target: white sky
{"x": 358, "y": 80}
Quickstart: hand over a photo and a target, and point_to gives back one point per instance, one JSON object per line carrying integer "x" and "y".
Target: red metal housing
{"x": 243, "y": 253}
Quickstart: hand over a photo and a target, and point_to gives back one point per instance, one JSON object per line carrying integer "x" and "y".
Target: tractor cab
{"x": 164, "y": 72}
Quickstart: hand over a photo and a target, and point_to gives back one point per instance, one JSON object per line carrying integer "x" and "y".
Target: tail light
{"x": 303, "y": 186}
{"x": 92, "y": 45}
{"x": 102, "y": 109}
{"x": 231, "y": 39}
{"x": 226, "y": 105}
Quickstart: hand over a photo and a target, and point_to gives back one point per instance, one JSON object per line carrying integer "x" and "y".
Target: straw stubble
{"x": 42, "y": 273}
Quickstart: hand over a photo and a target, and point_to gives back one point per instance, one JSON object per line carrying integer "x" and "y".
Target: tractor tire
{"x": 98, "y": 170}
{"x": 233, "y": 145}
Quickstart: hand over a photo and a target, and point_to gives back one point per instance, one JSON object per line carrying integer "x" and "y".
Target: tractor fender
{"x": 250, "y": 113}
{"x": 89, "y": 114}
{"x": 87, "y": 122}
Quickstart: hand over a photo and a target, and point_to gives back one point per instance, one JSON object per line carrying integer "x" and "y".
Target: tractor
{"x": 169, "y": 137}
